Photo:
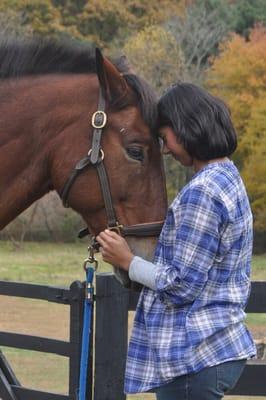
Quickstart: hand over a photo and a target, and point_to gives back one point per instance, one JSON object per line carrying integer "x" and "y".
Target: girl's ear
{"x": 112, "y": 82}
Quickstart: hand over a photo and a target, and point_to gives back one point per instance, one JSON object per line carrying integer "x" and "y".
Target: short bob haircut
{"x": 201, "y": 122}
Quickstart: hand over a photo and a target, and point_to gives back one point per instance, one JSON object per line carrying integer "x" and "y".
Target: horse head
{"x": 59, "y": 133}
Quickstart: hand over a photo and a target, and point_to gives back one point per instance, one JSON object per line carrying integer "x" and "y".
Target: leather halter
{"x": 95, "y": 158}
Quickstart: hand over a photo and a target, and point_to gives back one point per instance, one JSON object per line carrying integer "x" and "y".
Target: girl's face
{"x": 173, "y": 147}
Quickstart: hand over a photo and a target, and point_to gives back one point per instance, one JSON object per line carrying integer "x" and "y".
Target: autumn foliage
{"x": 210, "y": 42}
{"x": 239, "y": 76}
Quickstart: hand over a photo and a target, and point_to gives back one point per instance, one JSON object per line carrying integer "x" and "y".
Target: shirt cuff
{"x": 142, "y": 271}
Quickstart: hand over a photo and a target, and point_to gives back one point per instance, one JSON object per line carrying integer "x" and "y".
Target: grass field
{"x": 60, "y": 264}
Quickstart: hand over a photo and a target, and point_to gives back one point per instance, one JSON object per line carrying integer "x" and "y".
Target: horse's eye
{"x": 136, "y": 153}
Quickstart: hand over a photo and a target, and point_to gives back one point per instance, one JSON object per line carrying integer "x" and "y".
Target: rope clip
{"x": 90, "y": 261}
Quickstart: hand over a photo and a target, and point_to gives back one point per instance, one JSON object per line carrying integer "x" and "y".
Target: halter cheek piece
{"x": 95, "y": 158}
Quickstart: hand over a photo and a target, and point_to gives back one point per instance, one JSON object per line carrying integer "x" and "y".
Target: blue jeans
{"x": 208, "y": 384}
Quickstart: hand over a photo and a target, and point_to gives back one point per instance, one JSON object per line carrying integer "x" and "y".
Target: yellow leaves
{"x": 238, "y": 75}
{"x": 105, "y": 23}
{"x": 254, "y": 173}
{"x": 253, "y": 143}
{"x": 153, "y": 12}
{"x": 255, "y": 130}
{"x": 156, "y": 56}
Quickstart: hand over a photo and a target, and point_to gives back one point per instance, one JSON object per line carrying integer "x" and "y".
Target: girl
{"x": 189, "y": 341}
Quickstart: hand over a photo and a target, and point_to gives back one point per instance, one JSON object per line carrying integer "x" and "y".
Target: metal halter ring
{"x": 101, "y": 152}
{"x": 117, "y": 228}
{"x": 103, "y": 119}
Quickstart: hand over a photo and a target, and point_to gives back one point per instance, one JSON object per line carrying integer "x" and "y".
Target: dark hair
{"x": 201, "y": 122}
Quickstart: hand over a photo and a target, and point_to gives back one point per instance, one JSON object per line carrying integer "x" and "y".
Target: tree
{"x": 254, "y": 170}
{"x": 198, "y": 32}
{"x": 239, "y": 76}
{"x": 156, "y": 56}
{"x": 109, "y": 24}
{"x": 12, "y": 25}
{"x": 102, "y": 23}
{"x": 46, "y": 219}
{"x": 246, "y": 14}
{"x": 39, "y": 16}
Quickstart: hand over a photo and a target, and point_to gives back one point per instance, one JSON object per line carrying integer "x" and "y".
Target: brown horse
{"x": 48, "y": 94}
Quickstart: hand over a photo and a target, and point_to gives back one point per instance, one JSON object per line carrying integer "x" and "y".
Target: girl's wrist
{"x": 127, "y": 261}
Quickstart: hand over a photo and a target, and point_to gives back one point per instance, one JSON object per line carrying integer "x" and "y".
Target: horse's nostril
{"x": 122, "y": 198}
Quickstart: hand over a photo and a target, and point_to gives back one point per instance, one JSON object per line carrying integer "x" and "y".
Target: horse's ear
{"x": 112, "y": 82}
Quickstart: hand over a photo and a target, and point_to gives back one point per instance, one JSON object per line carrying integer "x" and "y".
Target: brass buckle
{"x": 104, "y": 119}
{"x": 117, "y": 228}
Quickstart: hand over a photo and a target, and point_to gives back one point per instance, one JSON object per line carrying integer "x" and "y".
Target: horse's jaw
{"x": 142, "y": 247}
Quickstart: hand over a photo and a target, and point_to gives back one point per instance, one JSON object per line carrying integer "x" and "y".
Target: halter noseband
{"x": 95, "y": 158}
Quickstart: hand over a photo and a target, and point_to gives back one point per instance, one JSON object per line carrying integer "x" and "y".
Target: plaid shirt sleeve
{"x": 199, "y": 220}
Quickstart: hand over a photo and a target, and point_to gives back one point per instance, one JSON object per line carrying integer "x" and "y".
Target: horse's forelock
{"x": 145, "y": 97}
{"x": 146, "y": 100}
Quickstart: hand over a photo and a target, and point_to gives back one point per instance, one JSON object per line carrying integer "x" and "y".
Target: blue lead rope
{"x": 85, "y": 346}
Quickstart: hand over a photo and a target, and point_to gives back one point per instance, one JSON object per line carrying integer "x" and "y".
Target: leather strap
{"x": 95, "y": 157}
{"x": 105, "y": 187}
{"x": 80, "y": 166}
{"x": 98, "y": 122}
{"x": 138, "y": 230}
{"x": 142, "y": 230}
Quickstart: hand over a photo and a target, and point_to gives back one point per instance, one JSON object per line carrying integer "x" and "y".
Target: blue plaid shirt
{"x": 194, "y": 317}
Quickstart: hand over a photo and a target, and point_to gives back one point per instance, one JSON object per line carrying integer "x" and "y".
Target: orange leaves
{"x": 238, "y": 75}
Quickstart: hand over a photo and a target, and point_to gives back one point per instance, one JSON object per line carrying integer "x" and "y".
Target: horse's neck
{"x": 37, "y": 126}
{"x": 19, "y": 196}
{"x": 23, "y": 176}
{"x": 23, "y": 168}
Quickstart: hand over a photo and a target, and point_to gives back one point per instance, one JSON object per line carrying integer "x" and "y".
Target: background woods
{"x": 238, "y": 74}
{"x": 220, "y": 44}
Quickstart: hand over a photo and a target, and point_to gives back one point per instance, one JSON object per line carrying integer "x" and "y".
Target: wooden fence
{"x": 113, "y": 304}
{"x": 110, "y": 341}
{"x": 10, "y": 388}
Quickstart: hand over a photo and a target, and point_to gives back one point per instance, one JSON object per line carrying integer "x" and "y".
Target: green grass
{"x": 259, "y": 267}
{"x": 60, "y": 264}
{"x": 45, "y": 263}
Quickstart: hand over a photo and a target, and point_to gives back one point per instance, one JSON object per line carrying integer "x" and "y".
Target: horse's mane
{"x": 38, "y": 57}
{"x": 42, "y": 57}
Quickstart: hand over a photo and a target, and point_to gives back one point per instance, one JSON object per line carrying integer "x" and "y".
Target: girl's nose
{"x": 165, "y": 149}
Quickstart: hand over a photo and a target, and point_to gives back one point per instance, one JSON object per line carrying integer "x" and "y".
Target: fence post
{"x": 76, "y": 314}
{"x": 110, "y": 338}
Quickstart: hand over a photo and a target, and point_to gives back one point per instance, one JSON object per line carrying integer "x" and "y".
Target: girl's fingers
{"x": 111, "y": 233}
{"x": 100, "y": 240}
{"x": 107, "y": 237}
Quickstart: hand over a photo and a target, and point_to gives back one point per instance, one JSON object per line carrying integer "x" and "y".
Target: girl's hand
{"x": 114, "y": 249}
